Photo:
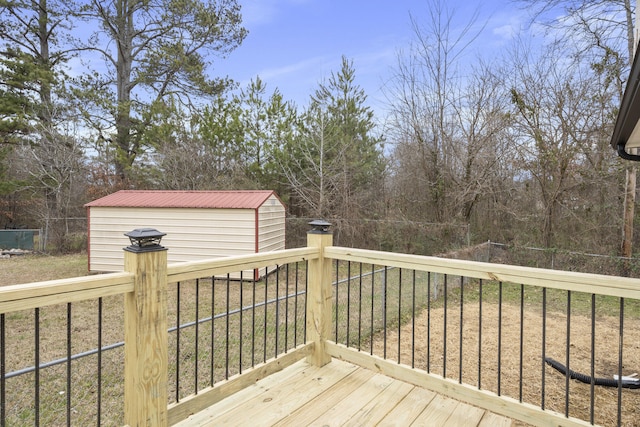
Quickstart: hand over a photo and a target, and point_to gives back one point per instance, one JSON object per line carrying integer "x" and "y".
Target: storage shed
{"x": 199, "y": 224}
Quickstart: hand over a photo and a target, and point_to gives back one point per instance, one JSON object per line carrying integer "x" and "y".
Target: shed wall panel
{"x": 192, "y": 233}
{"x": 271, "y": 229}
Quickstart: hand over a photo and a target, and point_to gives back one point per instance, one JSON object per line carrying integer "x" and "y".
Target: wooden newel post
{"x": 145, "y": 331}
{"x": 319, "y": 293}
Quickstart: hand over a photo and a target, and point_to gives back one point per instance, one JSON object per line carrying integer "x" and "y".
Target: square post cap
{"x": 145, "y": 240}
{"x": 320, "y": 226}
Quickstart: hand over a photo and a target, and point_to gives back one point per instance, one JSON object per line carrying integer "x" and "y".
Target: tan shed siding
{"x": 271, "y": 225}
{"x": 192, "y": 233}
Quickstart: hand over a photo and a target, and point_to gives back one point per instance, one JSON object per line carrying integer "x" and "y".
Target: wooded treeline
{"x": 100, "y": 96}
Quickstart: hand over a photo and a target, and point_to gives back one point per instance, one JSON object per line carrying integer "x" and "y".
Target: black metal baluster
{"x": 286, "y": 311}
{"x": 295, "y": 312}
{"x": 337, "y": 282}
{"x": 264, "y": 323}
{"x": 384, "y": 311}
{"x": 277, "y": 310}
{"x": 399, "y": 310}
{"x": 240, "y": 340}
{"x": 461, "y": 325}
{"x": 372, "y": 305}
{"x": 413, "y": 320}
{"x": 347, "y": 343}
{"x": 521, "y": 339}
{"x": 306, "y": 292}
{"x": 480, "y": 336}
{"x": 3, "y": 371}
{"x": 620, "y": 342}
{"x": 567, "y": 358}
{"x": 178, "y": 341}
{"x": 593, "y": 360}
{"x": 197, "y": 328}
{"x": 99, "y": 352}
{"x": 226, "y": 356}
{"x": 213, "y": 331}
{"x": 253, "y": 324}
{"x": 360, "y": 308}
{"x": 428, "y": 321}
{"x": 499, "y": 337}
{"x": 444, "y": 341}
{"x": 544, "y": 345}
{"x": 68, "y": 364}
{"x": 37, "y": 367}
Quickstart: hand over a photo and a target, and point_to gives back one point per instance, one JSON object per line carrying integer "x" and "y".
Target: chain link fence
{"x": 392, "y": 236}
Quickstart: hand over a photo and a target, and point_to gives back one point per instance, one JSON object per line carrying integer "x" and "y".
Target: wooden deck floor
{"x": 339, "y": 394}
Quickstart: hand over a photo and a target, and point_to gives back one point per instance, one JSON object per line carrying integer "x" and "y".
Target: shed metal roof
{"x": 245, "y": 199}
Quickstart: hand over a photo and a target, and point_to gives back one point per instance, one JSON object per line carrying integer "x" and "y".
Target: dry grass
{"x": 36, "y": 268}
{"x": 606, "y": 360}
{"x": 20, "y": 349}
{"x": 252, "y": 339}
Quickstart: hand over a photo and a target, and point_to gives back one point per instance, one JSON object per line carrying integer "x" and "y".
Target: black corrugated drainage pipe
{"x": 627, "y": 382}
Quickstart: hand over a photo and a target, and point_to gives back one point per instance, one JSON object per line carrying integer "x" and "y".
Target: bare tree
{"x": 54, "y": 176}
{"x": 445, "y": 125}
{"x": 557, "y": 118}
{"x": 604, "y": 32}
{"x": 311, "y": 165}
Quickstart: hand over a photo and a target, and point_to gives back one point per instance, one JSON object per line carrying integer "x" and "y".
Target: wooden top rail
{"x": 180, "y": 271}
{"x": 51, "y": 292}
{"x": 41, "y": 294}
{"x": 566, "y": 280}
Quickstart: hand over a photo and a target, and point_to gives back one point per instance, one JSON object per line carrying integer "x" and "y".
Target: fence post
{"x": 145, "y": 331}
{"x": 319, "y": 293}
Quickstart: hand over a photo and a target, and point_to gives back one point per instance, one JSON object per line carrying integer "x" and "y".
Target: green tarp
{"x": 16, "y": 239}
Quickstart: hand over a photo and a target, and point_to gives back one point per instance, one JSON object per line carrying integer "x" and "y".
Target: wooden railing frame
{"x": 143, "y": 287}
{"x": 622, "y": 287}
{"x": 554, "y": 279}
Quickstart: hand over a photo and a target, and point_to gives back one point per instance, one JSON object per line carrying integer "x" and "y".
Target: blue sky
{"x": 294, "y": 44}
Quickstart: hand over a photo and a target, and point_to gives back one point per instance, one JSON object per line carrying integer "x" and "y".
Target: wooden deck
{"x": 339, "y": 394}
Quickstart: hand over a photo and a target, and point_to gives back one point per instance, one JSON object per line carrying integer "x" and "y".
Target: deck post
{"x": 145, "y": 335}
{"x": 319, "y": 293}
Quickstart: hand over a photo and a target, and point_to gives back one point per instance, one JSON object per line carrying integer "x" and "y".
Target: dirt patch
{"x": 483, "y": 350}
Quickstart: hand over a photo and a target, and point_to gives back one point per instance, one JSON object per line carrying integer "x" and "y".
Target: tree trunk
{"x": 124, "y": 37}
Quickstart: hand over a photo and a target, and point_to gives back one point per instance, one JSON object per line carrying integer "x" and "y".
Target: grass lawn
{"x": 36, "y": 268}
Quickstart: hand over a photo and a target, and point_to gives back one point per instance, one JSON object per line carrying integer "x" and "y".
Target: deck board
{"x": 329, "y": 404}
{"x": 342, "y": 412}
{"x": 409, "y": 408}
{"x": 374, "y": 411}
{"x": 338, "y": 394}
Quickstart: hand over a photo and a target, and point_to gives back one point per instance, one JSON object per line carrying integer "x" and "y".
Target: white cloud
{"x": 507, "y": 31}
{"x": 294, "y": 68}
{"x": 260, "y": 12}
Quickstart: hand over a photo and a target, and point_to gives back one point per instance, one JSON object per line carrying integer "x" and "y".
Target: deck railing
{"x": 541, "y": 346}
{"x": 231, "y": 317}
{"x": 196, "y": 332}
